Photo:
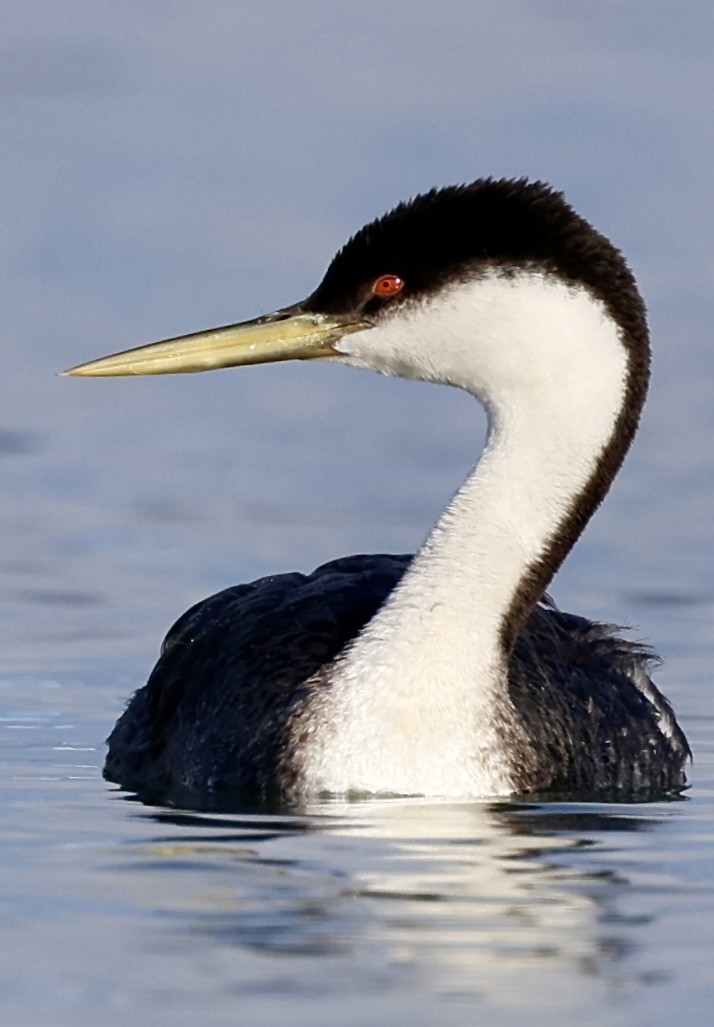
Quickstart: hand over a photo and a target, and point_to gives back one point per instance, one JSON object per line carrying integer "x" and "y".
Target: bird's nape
{"x": 438, "y": 674}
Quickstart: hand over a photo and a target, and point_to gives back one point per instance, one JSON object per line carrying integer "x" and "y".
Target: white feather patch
{"x": 418, "y": 704}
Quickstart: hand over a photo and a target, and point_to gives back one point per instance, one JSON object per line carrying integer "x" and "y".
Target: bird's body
{"x": 196, "y": 729}
{"x": 438, "y": 674}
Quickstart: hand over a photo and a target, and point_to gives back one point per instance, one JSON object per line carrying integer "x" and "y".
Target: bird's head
{"x": 441, "y": 288}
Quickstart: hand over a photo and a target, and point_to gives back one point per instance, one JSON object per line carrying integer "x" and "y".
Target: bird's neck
{"x": 553, "y": 370}
{"x": 432, "y": 662}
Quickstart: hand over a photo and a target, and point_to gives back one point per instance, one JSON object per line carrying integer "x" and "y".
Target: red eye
{"x": 387, "y": 285}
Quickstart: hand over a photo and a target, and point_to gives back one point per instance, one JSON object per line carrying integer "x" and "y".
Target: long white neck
{"x": 418, "y": 703}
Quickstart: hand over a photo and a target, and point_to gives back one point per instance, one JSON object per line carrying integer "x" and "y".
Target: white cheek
{"x": 497, "y": 337}
{"x": 375, "y": 350}
{"x": 416, "y": 703}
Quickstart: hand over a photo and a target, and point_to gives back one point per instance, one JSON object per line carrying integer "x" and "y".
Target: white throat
{"x": 418, "y": 704}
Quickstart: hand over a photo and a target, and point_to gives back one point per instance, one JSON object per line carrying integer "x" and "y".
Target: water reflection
{"x": 447, "y": 899}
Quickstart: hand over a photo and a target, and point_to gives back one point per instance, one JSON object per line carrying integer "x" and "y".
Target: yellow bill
{"x": 284, "y": 335}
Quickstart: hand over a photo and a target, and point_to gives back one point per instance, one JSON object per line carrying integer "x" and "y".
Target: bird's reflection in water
{"x": 461, "y": 899}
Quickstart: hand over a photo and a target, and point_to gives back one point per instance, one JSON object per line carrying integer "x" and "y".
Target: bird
{"x": 448, "y": 673}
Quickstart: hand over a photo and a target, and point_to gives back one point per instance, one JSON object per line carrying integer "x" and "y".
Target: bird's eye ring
{"x": 387, "y": 285}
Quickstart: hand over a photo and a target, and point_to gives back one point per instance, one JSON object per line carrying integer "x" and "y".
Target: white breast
{"x": 418, "y": 704}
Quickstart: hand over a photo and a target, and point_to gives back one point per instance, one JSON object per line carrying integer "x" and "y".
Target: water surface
{"x": 170, "y": 167}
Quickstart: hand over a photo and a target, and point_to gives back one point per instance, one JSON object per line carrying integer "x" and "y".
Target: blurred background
{"x": 171, "y": 166}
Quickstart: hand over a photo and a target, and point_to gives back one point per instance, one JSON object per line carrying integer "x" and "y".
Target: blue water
{"x": 426, "y": 913}
{"x": 167, "y": 168}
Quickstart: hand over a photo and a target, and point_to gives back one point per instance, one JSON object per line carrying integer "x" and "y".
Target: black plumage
{"x": 236, "y": 669}
{"x": 225, "y": 709}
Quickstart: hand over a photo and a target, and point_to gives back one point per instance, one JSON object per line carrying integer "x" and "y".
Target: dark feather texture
{"x": 239, "y": 670}
{"x": 235, "y": 669}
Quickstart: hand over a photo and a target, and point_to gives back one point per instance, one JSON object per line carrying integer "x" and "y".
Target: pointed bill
{"x": 285, "y": 335}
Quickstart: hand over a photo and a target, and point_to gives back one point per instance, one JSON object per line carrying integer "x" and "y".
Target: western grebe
{"x": 445, "y": 673}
